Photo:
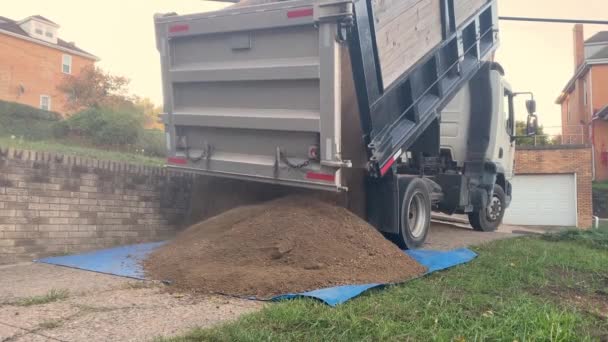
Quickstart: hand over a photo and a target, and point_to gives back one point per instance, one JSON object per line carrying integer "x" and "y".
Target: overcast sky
{"x": 537, "y": 57}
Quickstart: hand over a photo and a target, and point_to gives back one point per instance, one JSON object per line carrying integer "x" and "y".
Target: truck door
{"x": 506, "y": 133}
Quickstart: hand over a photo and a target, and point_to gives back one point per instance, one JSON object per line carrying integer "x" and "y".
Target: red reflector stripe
{"x": 177, "y": 161}
{"x": 179, "y": 28}
{"x": 386, "y": 167}
{"x": 390, "y": 163}
{"x": 321, "y": 176}
{"x": 306, "y": 12}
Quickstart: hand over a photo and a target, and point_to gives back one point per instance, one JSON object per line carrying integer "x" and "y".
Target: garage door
{"x": 543, "y": 200}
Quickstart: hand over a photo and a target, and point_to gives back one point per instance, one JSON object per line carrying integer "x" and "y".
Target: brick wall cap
{"x": 552, "y": 147}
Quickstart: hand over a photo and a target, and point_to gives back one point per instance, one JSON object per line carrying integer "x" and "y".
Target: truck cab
{"x": 463, "y": 132}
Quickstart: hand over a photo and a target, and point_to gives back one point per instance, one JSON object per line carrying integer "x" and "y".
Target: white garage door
{"x": 543, "y": 200}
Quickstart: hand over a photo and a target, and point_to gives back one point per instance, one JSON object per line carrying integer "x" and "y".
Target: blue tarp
{"x": 126, "y": 262}
{"x": 122, "y": 261}
{"x": 433, "y": 260}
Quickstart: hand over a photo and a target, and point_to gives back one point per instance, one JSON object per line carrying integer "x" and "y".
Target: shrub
{"x": 107, "y": 126}
{"x": 152, "y": 143}
{"x": 26, "y": 121}
{"x": 60, "y": 129}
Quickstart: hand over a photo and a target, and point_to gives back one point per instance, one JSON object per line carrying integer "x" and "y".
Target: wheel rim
{"x": 494, "y": 209}
{"x": 416, "y": 215}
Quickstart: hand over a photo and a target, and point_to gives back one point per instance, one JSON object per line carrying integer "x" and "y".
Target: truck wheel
{"x": 415, "y": 215}
{"x": 490, "y": 219}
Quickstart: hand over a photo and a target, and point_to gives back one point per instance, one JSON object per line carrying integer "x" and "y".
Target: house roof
{"x": 600, "y": 37}
{"x": 12, "y": 26}
{"x": 599, "y": 57}
{"x": 603, "y": 113}
{"x": 582, "y": 70}
{"x": 44, "y": 19}
{"x": 602, "y": 54}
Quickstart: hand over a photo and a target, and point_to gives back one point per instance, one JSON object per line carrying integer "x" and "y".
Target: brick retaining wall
{"x": 52, "y": 204}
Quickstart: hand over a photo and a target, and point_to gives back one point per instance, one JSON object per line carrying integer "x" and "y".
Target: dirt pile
{"x": 288, "y": 245}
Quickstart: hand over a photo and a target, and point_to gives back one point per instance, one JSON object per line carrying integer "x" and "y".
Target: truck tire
{"x": 415, "y": 215}
{"x": 490, "y": 219}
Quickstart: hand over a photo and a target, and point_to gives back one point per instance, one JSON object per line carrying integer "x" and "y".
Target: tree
{"x": 151, "y": 112}
{"x": 524, "y": 140}
{"x": 95, "y": 88}
{"x": 557, "y": 140}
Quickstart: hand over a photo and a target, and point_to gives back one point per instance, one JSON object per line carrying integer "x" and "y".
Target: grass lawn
{"x": 527, "y": 289}
{"x": 81, "y": 151}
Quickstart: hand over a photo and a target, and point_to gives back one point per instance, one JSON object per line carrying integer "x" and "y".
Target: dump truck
{"x": 397, "y": 103}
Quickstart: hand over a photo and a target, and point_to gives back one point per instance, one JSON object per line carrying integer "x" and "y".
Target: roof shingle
{"x": 37, "y": 16}
{"x": 600, "y": 37}
{"x": 602, "y": 54}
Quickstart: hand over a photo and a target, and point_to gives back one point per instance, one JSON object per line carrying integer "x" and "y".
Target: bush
{"x": 25, "y": 121}
{"x": 60, "y": 129}
{"x": 108, "y": 126}
{"x": 152, "y": 143}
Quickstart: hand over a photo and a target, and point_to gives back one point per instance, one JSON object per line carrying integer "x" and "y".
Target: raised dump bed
{"x": 266, "y": 91}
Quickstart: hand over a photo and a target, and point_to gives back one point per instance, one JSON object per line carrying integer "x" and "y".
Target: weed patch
{"x": 51, "y": 296}
{"x": 50, "y": 324}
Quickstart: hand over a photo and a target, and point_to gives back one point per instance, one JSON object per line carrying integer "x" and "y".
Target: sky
{"x": 537, "y": 57}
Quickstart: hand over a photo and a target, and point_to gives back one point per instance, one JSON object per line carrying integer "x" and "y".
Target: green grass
{"x": 527, "y": 289}
{"x": 595, "y": 238}
{"x": 51, "y": 296}
{"x": 600, "y": 185}
{"x": 80, "y": 151}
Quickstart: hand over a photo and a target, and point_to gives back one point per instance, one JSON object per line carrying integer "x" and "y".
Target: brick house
{"x": 584, "y": 100}
{"x": 34, "y": 61}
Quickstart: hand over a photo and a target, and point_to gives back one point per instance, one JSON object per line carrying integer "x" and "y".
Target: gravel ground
{"x": 106, "y": 308}
{"x": 102, "y": 307}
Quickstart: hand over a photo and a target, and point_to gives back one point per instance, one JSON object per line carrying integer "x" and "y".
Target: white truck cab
{"x": 460, "y": 137}
{"x": 456, "y": 126}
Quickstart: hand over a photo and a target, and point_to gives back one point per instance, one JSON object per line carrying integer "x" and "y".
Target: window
{"x": 66, "y": 66}
{"x": 39, "y": 31}
{"x": 49, "y": 34}
{"x": 585, "y": 93}
{"x": 45, "y": 102}
{"x": 508, "y": 113}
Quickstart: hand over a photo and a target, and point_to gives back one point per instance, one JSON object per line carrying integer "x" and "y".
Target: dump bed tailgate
{"x": 253, "y": 93}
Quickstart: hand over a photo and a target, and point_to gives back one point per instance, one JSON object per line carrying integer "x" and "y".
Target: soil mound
{"x": 288, "y": 245}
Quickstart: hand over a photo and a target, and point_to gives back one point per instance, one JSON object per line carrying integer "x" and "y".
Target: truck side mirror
{"x": 532, "y": 126}
{"x": 531, "y": 106}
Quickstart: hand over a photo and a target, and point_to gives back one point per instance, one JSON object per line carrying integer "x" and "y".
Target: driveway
{"x": 451, "y": 232}
{"x": 40, "y": 302}
{"x": 100, "y": 307}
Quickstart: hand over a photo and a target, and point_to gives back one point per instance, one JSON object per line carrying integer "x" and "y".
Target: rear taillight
{"x": 313, "y": 152}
